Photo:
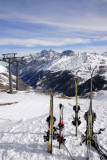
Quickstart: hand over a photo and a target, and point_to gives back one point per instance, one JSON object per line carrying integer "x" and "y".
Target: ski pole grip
{"x": 60, "y": 105}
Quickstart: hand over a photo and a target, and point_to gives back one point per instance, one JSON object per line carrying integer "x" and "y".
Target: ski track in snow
{"x": 22, "y": 137}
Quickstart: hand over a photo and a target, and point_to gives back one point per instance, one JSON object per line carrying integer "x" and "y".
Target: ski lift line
{"x": 9, "y": 54}
{"x": 12, "y": 59}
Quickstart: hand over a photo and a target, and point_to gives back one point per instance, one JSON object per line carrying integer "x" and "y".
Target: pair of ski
{"x": 90, "y": 137}
{"x": 52, "y": 133}
{"x": 90, "y": 117}
{"x": 61, "y": 126}
{"x": 50, "y": 121}
{"x": 76, "y": 122}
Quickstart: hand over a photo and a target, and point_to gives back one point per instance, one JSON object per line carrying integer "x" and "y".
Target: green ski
{"x": 90, "y": 117}
{"x": 76, "y": 122}
{"x": 50, "y": 119}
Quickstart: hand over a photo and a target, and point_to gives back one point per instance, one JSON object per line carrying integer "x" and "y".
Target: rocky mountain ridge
{"x": 50, "y": 69}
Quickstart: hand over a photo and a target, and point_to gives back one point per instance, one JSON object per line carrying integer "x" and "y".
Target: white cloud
{"x": 73, "y": 22}
{"x": 97, "y": 49}
{"x": 103, "y": 38}
{"x": 42, "y": 42}
{"x": 84, "y": 23}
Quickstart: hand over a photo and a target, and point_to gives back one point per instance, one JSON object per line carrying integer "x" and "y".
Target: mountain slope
{"x": 49, "y": 69}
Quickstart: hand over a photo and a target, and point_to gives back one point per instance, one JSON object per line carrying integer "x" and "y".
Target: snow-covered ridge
{"x": 67, "y": 60}
{"x": 49, "y": 68}
{"x": 104, "y": 54}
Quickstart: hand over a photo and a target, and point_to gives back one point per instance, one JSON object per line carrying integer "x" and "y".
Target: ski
{"x": 90, "y": 136}
{"x": 90, "y": 117}
{"x": 76, "y": 122}
{"x": 49, "y": 146}
{"x": 61, "y": 126}
{"x": 50, "y": 120}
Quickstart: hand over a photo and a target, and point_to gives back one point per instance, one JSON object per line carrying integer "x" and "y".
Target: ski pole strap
{"x": 61, "y": 139}
{"x": 101, "y": 151}
{"x": 100, "y": 131}
{"x": 103, "y": 148}
{"x": 60, "y": 105}
{"x": 68, "y": 152}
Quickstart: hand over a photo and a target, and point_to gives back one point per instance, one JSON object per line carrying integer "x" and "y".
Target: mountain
{"x": 67, "y": 53}
{"x": 50, "y": 69}
{"x": 104, "y": 54}
{"x": 4, "y": 80}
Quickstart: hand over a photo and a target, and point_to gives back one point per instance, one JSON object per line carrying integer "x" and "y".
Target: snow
{"x": 23, "y": 125}
{"x": 75, "y": 62}
{"x": 2, "y": 69}
{"x": 28, "y": 106}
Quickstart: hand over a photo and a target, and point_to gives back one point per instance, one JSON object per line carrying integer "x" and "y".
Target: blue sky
{"x": 32, "y": 25}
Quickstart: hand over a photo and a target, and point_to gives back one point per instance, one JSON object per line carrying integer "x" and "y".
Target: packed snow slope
{"x": 49, "y": 69}
{"x": 23, "y": 125}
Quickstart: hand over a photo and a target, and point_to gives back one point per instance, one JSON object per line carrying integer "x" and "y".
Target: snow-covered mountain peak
{"x": 104, "y": 54}
{"x": 47, "y": 55}
{"x": 68, "y": 53}
{"x": 52, "y": 67}
{"x": 67, "y": 60}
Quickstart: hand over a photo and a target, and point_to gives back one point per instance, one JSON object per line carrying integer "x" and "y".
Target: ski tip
{"x": 51, "y": 90}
